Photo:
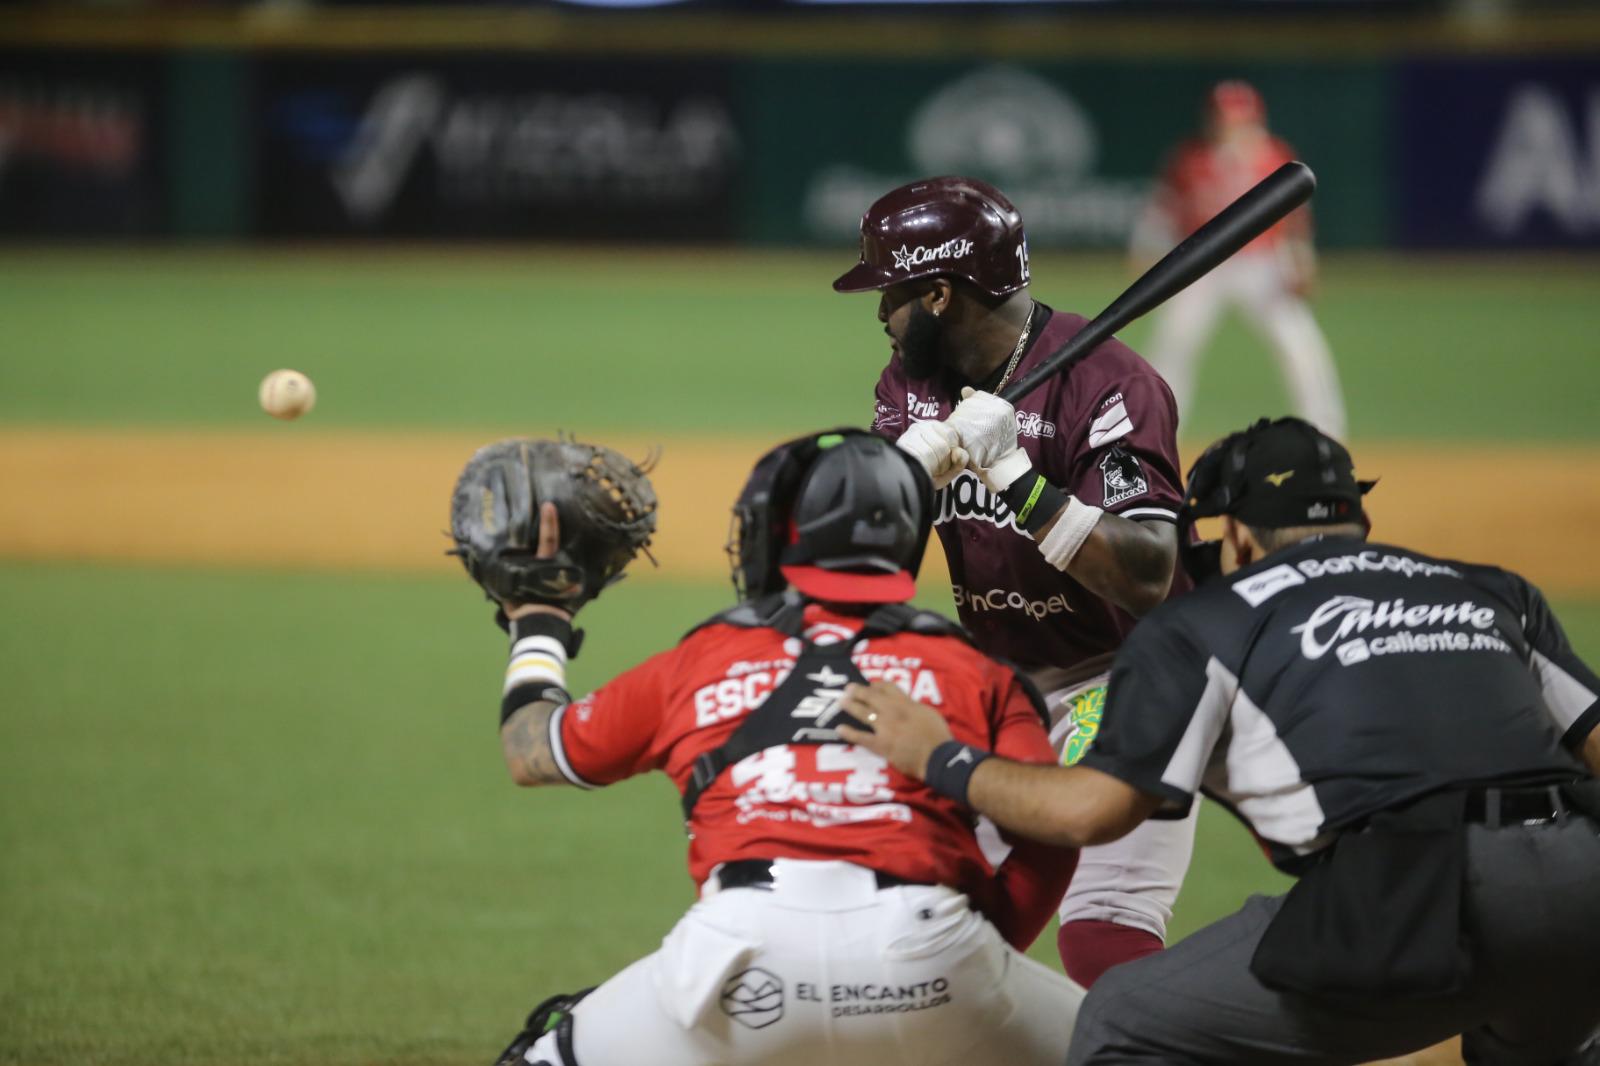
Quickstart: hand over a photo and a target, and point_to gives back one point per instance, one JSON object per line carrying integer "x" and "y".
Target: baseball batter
{"x": 846, "y": 914}
{"x": 1061, "y": 533}
{"x": 1268, "y": 281}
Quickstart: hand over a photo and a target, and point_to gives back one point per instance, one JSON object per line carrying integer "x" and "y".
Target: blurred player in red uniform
{"x": 1056, "y": 516}
{"x": 1268, "y": 281}
{"x": 847, "y": 913}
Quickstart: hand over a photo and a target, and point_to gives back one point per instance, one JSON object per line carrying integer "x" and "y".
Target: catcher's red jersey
{"x": 824, "y": 801}
{"x": 1203, "y": 177}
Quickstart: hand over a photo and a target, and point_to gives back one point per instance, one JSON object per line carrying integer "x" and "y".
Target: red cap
{"x": 1234, "y": 102}
{"x": 851, "y": 586}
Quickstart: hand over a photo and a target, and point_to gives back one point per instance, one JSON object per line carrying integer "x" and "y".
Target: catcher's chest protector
{"x": 804, "y": 708}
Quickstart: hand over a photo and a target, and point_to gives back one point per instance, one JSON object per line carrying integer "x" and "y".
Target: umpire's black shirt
{"x": 1337, "y": 678}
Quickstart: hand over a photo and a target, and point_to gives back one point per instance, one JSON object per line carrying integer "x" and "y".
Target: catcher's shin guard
{"x": 555, "y": 1014}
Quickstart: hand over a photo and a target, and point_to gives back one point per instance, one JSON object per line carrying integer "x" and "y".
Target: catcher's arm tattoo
{"x": 525, "y": 733}
{"x": 525, "y": 741}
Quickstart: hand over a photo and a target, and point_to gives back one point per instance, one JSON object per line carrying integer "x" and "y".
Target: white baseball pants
{"x": 824, "y": 966}
{"x": 1133, "y": 881}
{"x": 1255, "y": 283}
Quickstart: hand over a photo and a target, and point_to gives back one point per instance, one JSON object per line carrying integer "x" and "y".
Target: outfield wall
{"x": 1425, "y": 133}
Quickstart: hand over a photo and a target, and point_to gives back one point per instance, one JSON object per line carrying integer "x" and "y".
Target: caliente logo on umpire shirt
{"x": 1335, "y": 621}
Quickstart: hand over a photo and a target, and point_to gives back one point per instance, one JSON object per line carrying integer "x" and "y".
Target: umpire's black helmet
{"x": 1277, "y": 473}
{"x": 842, "y": 516}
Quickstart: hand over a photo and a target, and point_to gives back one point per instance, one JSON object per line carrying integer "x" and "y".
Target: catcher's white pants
{"x": 1133, "y": 881}
{"x": 825, "y": 967}
{"x": 1255, "y": 283}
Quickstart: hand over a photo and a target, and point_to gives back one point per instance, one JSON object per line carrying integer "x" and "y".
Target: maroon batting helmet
{"x": 957, "y": 226}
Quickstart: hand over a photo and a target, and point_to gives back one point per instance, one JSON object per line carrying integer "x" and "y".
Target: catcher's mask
{"x": 1278, "y": 473}
{"x": 842, "y": 516}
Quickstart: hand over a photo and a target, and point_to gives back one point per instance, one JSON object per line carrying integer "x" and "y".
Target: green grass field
{"x": 716, "y": 342}
{"x": 261, "y": 817}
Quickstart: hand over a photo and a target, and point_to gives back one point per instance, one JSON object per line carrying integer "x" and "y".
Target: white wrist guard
{"x": 1061, "y": 544}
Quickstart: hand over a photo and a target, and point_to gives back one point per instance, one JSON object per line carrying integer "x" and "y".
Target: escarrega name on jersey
{"x": 747, "y": 685}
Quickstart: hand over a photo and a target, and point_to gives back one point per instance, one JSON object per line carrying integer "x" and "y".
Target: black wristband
{"x": 544, "y": 624}
{"x": 950, "y": 769}
{"x": 523, "y": 695}
{"x": 1033, "y": 500}
{"x": 1016, "y": 494}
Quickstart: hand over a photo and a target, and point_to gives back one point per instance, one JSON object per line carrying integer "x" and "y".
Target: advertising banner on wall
{"x": 80, "y": 152}
{"x": 1077, "y": 145}
{"x": 487, "y": 146}
{"x": 1498, "y": 153}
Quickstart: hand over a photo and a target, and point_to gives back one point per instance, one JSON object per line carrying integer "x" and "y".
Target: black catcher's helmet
{"x": 842, "y": 516}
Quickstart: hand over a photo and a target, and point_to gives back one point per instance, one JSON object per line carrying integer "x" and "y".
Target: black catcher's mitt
{"x": 606, "y": 511}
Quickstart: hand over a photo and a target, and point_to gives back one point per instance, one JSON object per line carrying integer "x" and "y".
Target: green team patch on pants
{"x": 1083, "y": 711}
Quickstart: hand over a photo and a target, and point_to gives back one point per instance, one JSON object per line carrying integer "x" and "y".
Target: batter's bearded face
{"x": 914, "y": 331}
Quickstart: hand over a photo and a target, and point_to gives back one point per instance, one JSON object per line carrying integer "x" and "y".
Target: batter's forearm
{"x": 1126, "y": 562}
{"x": 525, "y": 741}
{"x": 1129, "y": 563}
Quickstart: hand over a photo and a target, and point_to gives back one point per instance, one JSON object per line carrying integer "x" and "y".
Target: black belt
{"x": 1497, "y": 807}
{"x": 757, "y": 873}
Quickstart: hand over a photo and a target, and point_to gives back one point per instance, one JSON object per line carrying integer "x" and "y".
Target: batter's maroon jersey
{"x": 822, "y": 801}
{"x": 1106, "y": 432}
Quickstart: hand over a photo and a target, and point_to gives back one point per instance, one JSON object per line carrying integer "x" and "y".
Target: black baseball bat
{"x": 1235, "y": 226}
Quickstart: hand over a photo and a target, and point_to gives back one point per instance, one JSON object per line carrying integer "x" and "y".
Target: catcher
{"x": 847, "y": 913}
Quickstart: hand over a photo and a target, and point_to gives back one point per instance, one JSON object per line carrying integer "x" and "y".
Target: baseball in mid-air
{"x": 287, "y": 394}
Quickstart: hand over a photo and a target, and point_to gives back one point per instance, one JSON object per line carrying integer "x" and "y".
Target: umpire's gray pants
{"x": 1532, "y": 910}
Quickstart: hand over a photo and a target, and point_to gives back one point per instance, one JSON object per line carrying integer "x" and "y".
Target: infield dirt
{"x": 305, "y": 499}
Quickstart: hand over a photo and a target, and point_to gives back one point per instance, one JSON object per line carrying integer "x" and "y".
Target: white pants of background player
{"x": 1255, "y": 283}
{"x": 825, "y": 967}
{"x": 1133, "y": 881}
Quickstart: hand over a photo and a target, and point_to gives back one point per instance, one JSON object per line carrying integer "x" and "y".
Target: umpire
{"x": 1411, "y": 736}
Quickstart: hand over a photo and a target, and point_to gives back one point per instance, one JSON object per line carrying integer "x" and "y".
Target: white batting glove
{"x": 988, "y": 428}
{"x": 959, "y": 461}
{"x": 937, "y": 446}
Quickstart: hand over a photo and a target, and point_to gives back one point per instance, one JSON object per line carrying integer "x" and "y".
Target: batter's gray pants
{"x": 1532, "y": 909}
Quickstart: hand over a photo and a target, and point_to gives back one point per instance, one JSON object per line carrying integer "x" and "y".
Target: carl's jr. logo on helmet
{"x": 910, "y": 258}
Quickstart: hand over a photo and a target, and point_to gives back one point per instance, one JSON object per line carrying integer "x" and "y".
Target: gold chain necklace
{"x": 1016, "y": 353}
